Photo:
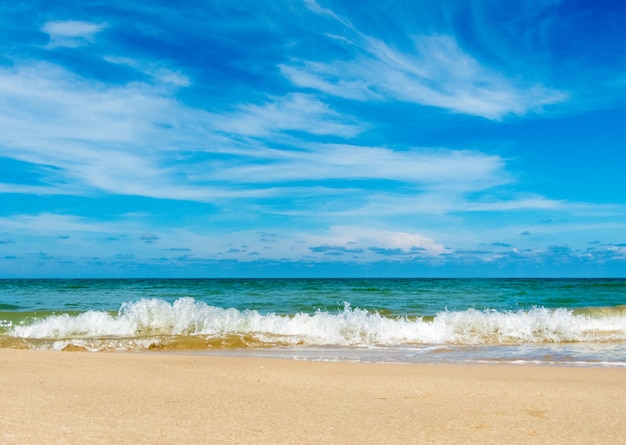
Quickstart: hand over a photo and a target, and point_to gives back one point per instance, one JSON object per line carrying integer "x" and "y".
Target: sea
{"x": 568, "y": 322}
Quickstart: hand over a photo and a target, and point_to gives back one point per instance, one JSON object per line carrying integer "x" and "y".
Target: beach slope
{"x": 153, "y": 398}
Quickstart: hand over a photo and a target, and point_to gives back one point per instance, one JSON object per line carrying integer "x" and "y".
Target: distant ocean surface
{"x": 573, "y": 322}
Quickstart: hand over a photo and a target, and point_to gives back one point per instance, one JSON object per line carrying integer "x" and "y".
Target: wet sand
{"x": 153, "y": 398}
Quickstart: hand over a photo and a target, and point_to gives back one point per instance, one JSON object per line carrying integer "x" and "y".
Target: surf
{"x": 157, "y": 323}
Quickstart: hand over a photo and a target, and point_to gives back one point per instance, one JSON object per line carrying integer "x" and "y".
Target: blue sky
{"x": 312, "y": 138}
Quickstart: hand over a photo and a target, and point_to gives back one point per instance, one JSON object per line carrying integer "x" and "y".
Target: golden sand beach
{"x": 153, "y": 398}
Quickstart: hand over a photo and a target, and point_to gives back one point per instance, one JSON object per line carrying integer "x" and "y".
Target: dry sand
{"x": 111, "y": 398}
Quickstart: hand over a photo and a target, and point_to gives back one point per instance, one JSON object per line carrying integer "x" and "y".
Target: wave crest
{"x": 153, "y": 322}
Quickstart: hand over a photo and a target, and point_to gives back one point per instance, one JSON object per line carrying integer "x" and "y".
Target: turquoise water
{"x": 562, "y": 321}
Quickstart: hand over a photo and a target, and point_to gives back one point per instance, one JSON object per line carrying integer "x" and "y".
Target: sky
{"x": 312, "y": 138}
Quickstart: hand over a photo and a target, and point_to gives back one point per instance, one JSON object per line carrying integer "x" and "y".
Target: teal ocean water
{"x": 575, "y": 322}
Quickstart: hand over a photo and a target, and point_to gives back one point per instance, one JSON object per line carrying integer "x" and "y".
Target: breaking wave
{"x": 189, "y": 324}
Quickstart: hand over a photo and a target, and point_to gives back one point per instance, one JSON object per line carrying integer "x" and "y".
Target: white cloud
{"x": 71, "y": 33}
{"x": 436, "y": 73}
{"x": 131, "y": 139}
{"x": 448, "y": 168}
{"x": 137, "y": 139}
{"x": 359, "y": 243}
{"x": 158, "y": 73}
{"x": 96, "y": 136}
{"x": 51, "y": 224}
{"x": 294, "y": 112}
{"x": 51, "y": 105}
{"x": 341, "y": 79}
{"x": 365, "y": 237}
{"x": 31, "y": 189}
{"x": 437, "y": 202}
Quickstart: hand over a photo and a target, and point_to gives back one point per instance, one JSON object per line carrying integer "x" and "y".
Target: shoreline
{"x": 82, "y": 397}
{"x": 402, "y": 357}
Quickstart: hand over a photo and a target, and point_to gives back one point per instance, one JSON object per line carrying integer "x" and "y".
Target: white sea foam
{"x": 140, "y": 324}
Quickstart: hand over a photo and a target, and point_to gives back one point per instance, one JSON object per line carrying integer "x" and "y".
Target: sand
{"x": 153, "y": 398}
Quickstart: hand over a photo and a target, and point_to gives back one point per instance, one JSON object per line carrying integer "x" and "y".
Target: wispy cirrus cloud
{"x": 293, "y": 112}
{"x": 157, "y": 72}
{"x": 444, "y": 202}
{"x": 119, "y": 139}
{"x": 92, "y": 136}
{"x": 138, "y": 139}
{"x": 52, "y": 223}
{"x": 436, "y": 73}
{"x": 448, "y": 168}
{"x": 96, "y": 136}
